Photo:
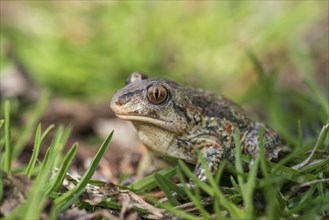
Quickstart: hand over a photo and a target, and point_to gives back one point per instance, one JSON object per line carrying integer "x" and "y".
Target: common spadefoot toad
{"x": 177, "y": 120}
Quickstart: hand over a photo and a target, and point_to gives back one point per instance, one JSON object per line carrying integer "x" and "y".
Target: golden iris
{"x": 157, "y": 94}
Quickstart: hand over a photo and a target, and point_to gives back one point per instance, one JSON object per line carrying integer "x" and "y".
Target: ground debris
{"x": 15, "y": 190}
{"x": 78, "y": 214}
{"x": 128, "y": 201}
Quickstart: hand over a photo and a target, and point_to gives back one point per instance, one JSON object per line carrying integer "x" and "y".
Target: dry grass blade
{"x": 319, "y": 142}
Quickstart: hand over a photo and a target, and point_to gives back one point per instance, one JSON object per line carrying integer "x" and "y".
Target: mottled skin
{"x": 187, "y": 119}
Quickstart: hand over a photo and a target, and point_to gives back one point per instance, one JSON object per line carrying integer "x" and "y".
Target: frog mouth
{"x": 165, "y": 125}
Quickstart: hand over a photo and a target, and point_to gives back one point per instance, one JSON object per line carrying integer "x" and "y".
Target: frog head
{"x": 154, "y": 102}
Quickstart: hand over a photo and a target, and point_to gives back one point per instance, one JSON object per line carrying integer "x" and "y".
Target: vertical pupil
{"x": 156, "y": 93}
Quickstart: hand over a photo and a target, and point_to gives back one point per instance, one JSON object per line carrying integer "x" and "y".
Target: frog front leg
{"x": 213, "y": 156}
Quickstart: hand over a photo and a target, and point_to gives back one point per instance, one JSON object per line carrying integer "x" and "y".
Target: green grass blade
{"x": 70, "y": 199}
{"x": 109, "y": 203}
{"x": 238, "y": 163}
{"x": 234, "y": 211}
{"x": 36, "y": 149}
{"x": 191, "y": 175}
{"x": 312, "y": 168}
{"x": 305, "y": 67}
{"x": 46, "y": 132}
{"x": 2, "y": 144}
{"x": 37, "y": 196}
{"x": 289, "y": 173}
{"x": 59, "y": 141}
{"x": 58, "y": 180}
{"x": 2, "y": 121}
{"x": 212, "y": 190}
{"x": 149, "y": 182}
{"x": 249, "y": 188}
{"x": 163, "y": 184}
{"x": 323, "y": 101}
{"x": 306, "y": 202}
{"x": 246, "y": 188}
{"x": 234, "y": 183}
{"x": 61, "y": 137}
{"x": 268, "y": 189}
{"x": 65, "y": 200}
{"x": 288, "y": 158}
{"x": 195, "y": 198}
{"x": 170, "y": 208}
{"x": 173, "y": 186}
{"x": 8, "y": 143}
{"x": 257, "y": 64}
{"x": 217, "y": 210}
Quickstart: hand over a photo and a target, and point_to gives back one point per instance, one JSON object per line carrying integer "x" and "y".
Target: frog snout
{"x": 120, "y": 101}
{"x": 115, "y": 103}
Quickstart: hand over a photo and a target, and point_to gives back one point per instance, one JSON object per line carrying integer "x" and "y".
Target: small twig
{"x": 314, "y": 162}
{"x": 296, "y": 188}
{"x": 321, "y": 138}
{"x": 314, "y": 182}
{"x": 187, "y": 206}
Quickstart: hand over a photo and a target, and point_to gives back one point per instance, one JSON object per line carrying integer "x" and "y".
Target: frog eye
{"x": 157, "y": 94}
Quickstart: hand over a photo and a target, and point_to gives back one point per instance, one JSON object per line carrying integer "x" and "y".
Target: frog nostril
{"x": 120, "y": 102}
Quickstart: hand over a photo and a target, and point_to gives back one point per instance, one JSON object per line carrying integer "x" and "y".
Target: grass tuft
{"x": 64, "y": 201}
{"x": 46, "y": 179}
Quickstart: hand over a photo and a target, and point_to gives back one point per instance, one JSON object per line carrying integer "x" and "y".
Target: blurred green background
{"x": 87, "y": 49}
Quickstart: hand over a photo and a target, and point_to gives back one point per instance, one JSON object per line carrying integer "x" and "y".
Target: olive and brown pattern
{"x": 176, "y": 120}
